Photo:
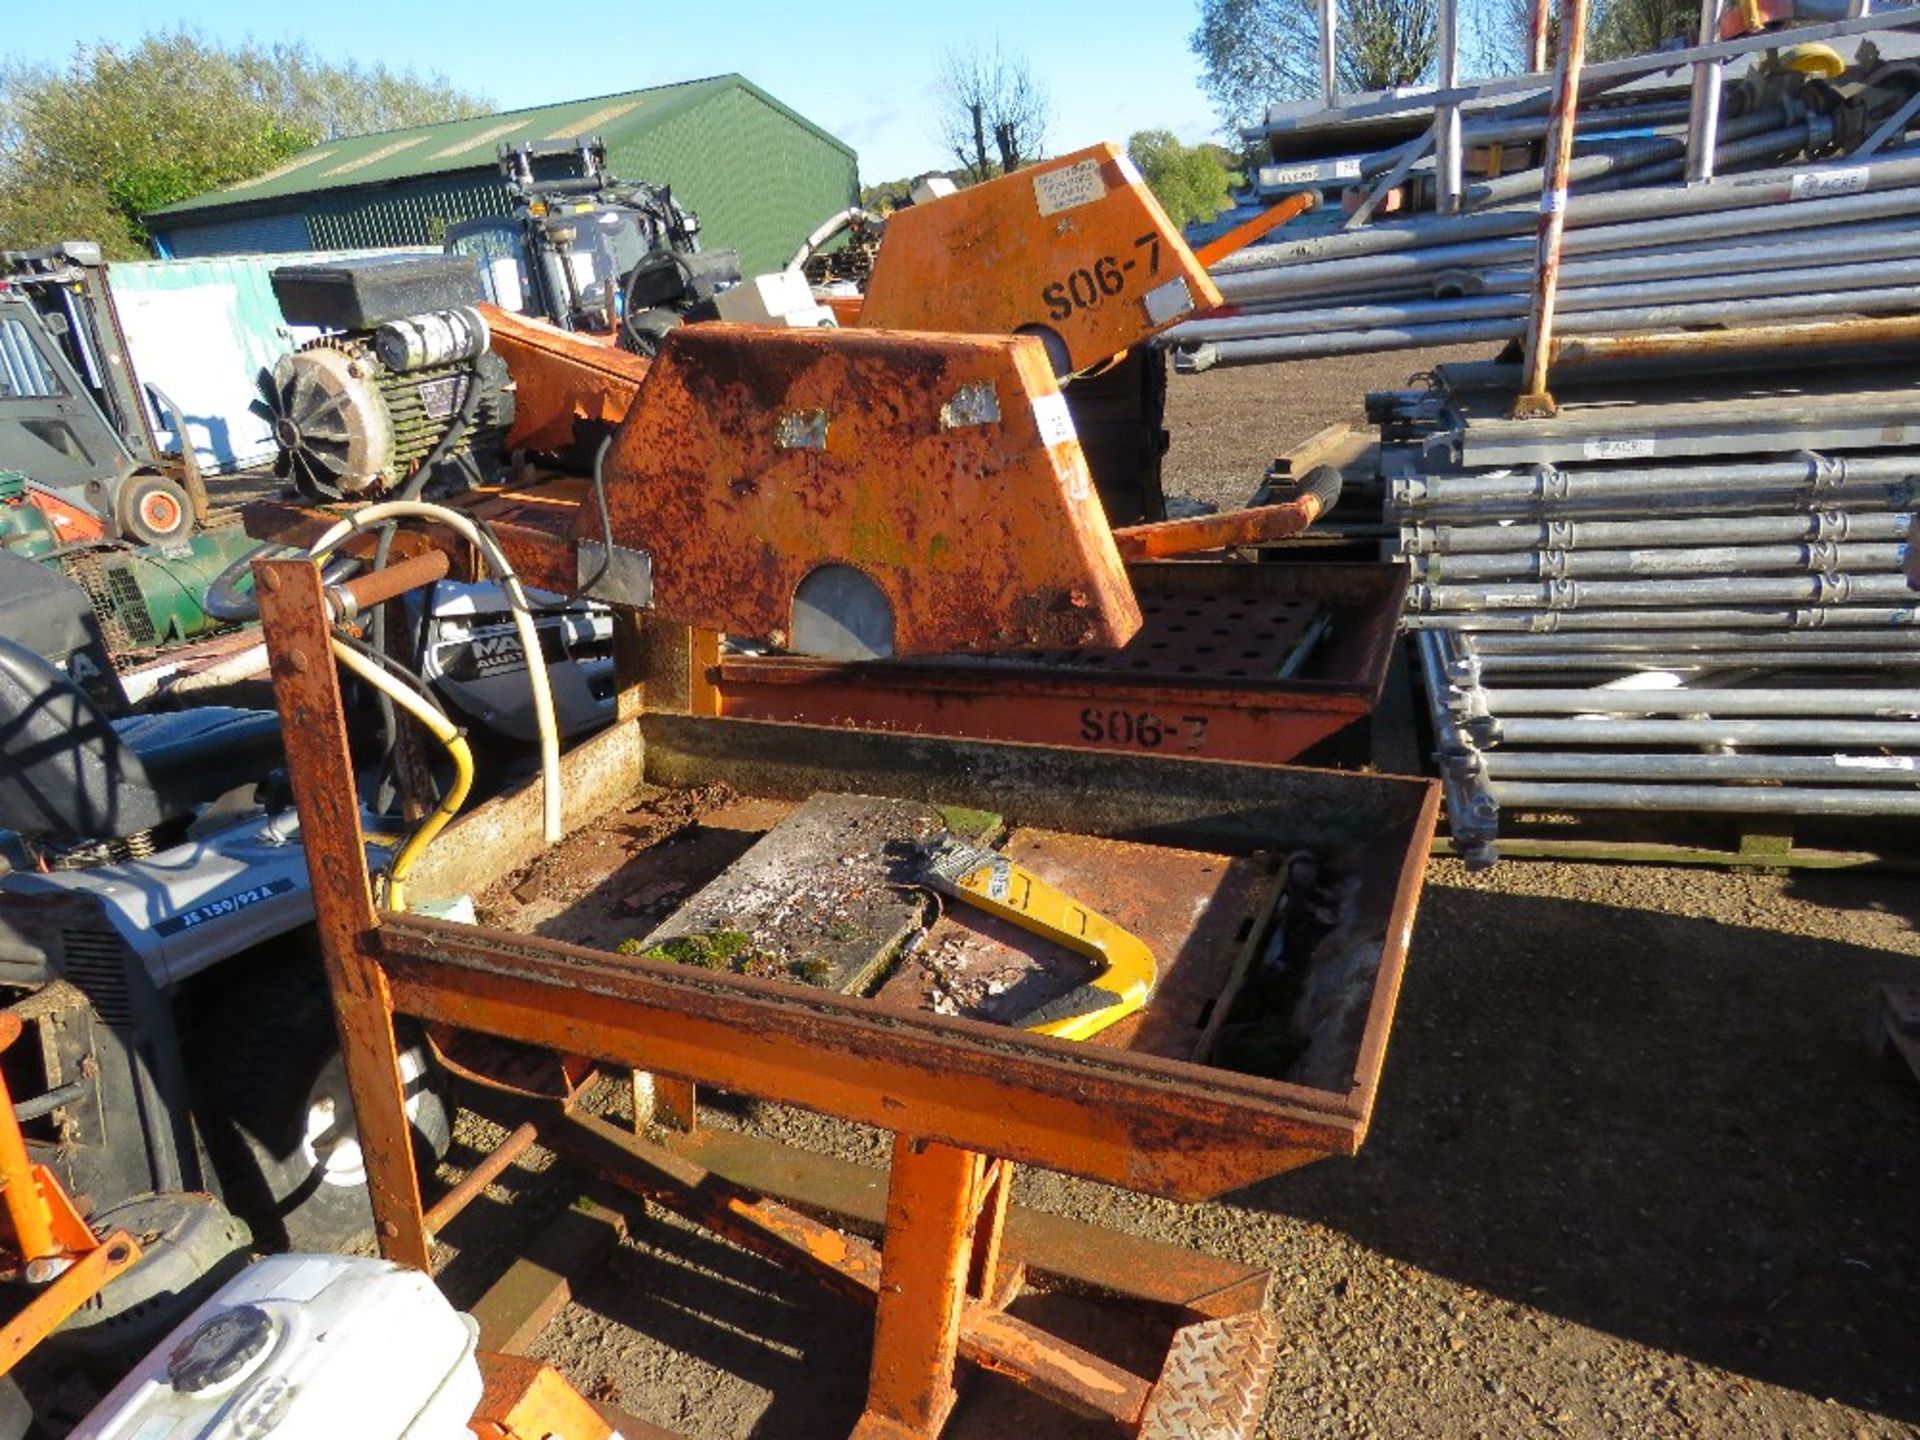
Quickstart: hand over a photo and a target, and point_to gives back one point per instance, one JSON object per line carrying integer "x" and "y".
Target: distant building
{"x": 759, "y": 176}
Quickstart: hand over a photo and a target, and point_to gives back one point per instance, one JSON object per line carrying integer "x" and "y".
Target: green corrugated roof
{"x": 456, "y": 145}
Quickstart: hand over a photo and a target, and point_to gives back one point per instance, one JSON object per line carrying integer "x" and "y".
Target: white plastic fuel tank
{"x": 305, "y": 1347}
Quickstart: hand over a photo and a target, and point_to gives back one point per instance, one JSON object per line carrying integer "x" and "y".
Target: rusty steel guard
{"x": 941, "y": 468}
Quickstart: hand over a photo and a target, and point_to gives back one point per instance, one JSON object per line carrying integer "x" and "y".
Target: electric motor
{"x": 358, "y": 413}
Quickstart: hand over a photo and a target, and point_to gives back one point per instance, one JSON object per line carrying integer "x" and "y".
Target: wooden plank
{"x": 1330, "y": 445}
{"x": 518, "y": 1306}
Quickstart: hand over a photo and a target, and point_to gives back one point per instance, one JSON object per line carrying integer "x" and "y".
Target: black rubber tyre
{"x": 152, "y": 510}
{"x": 270, "y": 1093}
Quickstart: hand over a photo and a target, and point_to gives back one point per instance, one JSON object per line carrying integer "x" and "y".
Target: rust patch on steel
{"x": 561, "y": 379}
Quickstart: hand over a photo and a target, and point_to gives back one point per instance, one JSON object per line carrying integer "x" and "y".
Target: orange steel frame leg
{"x": 933, "y": 1200}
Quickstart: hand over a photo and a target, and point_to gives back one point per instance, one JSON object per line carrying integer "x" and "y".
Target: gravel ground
{"x": 1631, "y": 1173}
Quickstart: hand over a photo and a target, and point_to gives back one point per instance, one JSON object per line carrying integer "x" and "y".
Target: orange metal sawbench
{"x": 965, "y": 1101}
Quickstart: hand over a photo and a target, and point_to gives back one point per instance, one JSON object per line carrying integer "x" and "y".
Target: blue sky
{"x": 862, "y": 70}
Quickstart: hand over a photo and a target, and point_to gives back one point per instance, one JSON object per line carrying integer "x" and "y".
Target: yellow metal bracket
{"x": 991, "y": 882}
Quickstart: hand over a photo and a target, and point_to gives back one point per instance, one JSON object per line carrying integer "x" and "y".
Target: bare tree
{"x": 1255, "y": 51}
{"x": 990, "y": 98}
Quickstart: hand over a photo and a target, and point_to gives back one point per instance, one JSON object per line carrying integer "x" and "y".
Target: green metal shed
{"x": 759, "y": 176}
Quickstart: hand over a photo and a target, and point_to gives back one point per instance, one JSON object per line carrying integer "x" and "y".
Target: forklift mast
{"x": 76, "y": 434}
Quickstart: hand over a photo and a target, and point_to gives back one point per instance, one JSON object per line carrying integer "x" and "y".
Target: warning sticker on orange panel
{"x": 1071, "y": 185}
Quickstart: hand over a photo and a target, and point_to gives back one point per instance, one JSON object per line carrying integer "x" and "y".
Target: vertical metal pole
{"x": 1329, "y": 52}
{"x": 294, "y": 620}
{"x": 1537, "y": 35}
{"x": 1446, "y": 118}
{"x": 1535, "y": 401}
{"x": 1703, "y": 115}
{"x": 932, "y": 1193}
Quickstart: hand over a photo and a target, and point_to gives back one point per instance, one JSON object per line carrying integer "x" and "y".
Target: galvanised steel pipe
{"x": 1814, "y": 525}
{"x": 1776, "y": 145}
{"x": 1895, "y": 499}
{"x": 1722, "y": 285}
{"x": 1894, "y": 243}
{"x": 1472, "y": 817}
{"x": 1852, "y": 618}
{"x": 1703, "y": 109}
{"x": 1820, "y": 557}
{"x": 1787, "y": 121}
{"x": 1618, "y": 765}
{"x": 1858, "y": 242}
{"x": 1494, "y": 129}
{"x": 1830, "y": 476}
{"x": 1278, "y": 279}
{"x": 1705, "y": 701}
{"x": 1273, "y": 349}
{"x": 1731, "y": 590}
{"x": 1786, "y": 186}
{"x": 1772, "y": 658}
{"x": 1624, "y": 730}
{"x": 1732, "y": 799}
{"x": 1487, "y": 647}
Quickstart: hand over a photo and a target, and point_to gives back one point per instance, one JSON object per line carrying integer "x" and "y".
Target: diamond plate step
{"x": 1214, "y": 1384}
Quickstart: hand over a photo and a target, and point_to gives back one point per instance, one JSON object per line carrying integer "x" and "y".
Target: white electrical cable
{"x": 522, "y": 620}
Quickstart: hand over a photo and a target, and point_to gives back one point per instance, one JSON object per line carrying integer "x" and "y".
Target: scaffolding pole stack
{"x": 1690, "y": 605}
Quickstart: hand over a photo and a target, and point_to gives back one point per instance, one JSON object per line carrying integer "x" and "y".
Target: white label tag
{"x": 1319, "y": 172}
{"x": 1874, "y": 762}
{"x": 1054, "y": 420}
{"x": 1812, "y": 184}
{"x": 1552, "y": 201}
{"x": 1057, "y": 190}
{"x": 1618, "y": 447}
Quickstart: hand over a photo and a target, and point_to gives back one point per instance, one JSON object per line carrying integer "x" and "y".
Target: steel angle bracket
{"x": 1075, "y": 250}
{"x": 859, "y": 494}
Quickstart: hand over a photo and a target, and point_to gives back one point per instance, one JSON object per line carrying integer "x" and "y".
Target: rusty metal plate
{"x": 756, "y": 459}
{"x": 1195, "y": 911}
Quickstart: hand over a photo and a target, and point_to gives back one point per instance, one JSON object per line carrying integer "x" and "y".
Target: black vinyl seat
{"x": 68, "y": 773}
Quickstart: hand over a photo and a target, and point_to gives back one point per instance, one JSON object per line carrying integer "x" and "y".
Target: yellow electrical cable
{"x": 442, "y": 730}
